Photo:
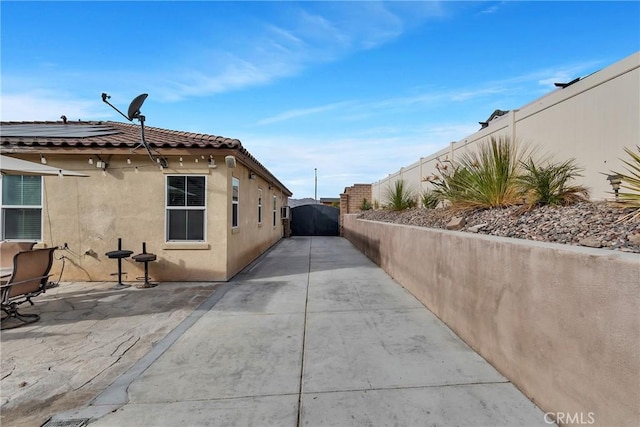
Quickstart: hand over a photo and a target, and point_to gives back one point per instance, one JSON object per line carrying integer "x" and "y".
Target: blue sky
{"x": 354, "y": 89}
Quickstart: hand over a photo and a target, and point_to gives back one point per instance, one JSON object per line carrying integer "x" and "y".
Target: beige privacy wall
{"x": 562, "y": 323}
{"x": 592, "y": 121}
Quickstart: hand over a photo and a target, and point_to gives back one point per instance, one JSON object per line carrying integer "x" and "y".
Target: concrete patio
{"x": 312, "y": 333}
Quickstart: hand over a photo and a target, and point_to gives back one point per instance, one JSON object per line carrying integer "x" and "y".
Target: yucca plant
{"x": 430, "y": 199}
{"x": 485, "y": 178}
{"x": 550, "y": 184}
{"x": 400, "y": 197}
{"x": 631, "y": 181}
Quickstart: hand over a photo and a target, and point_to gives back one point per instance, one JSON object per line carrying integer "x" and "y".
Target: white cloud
{"x": 493, "y": 8}
{"x": 324, "y": 34}
{"x": 48, "y": 105}
{"x": 292, "y": 114}
{"x": 361, "y": 157}
{"x": 365, "y": 109}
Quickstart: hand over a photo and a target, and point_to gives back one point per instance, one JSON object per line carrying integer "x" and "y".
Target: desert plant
{"x": 631, "y": 181}
{"x": 365, "y": 205}
{"x": 430, "y": 199}
{"x": 400, "y": 197}
{"x": 450, "y": 181}
{"x": 484, "y": 178}
{"x": 550, "y": 184}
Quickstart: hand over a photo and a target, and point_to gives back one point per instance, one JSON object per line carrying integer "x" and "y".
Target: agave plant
{"x": 400, "y": 197}
{"x": 550, "y": 184}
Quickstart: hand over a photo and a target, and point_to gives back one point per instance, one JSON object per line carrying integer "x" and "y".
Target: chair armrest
{"x": 9, "y": 285}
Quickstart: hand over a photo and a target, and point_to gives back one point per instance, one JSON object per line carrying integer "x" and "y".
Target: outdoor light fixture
{"x": 43, "y": 160}
{"x": 230, "y": 161}
{"x": 212, "y": 163}
{"x": 252, "y": 175}
{"x": 100, "y": 164}
{"x": 90, "y": 160}
{"x": 615, "y": 182}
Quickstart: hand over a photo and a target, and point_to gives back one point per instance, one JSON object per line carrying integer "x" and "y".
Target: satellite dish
{"x": 134, "y": 107}
{"x": 134, "y": 113}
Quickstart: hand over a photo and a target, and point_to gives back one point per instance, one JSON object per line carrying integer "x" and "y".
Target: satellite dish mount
{"x": 134, "y": 113}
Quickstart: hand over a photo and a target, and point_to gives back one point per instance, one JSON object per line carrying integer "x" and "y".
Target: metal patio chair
{"x": 28, "y": 280}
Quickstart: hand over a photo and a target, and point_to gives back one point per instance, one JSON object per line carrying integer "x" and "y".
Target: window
{"x": 275, "y": 210}
{"x": 285, "y": 212}
{"x": 21, "y": 207}
{"x": 259, "y": 206}
{"x": 235, "y": 193}
{"x": 186, "y": 211}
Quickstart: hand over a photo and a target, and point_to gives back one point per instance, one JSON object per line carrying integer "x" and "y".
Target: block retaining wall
{"x": 562, "y": 323}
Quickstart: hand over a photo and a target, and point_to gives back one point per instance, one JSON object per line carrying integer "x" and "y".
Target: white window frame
{"x": 39, "y": 207}
{"x": 235, "y": 203}
{"x": 285, "y": 212}
{"x": 167, "y": 208}
{"x": 275, "y": 209}
{"x": 259, "y": 205}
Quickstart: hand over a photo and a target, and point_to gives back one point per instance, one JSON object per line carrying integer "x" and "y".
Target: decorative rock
{"x": 568, "y": 224}
{"x": 456, "y": 223}
{"x": 634, "y": 239}
{"x": 591, "y": 242}
{"x": 476, "y": 228}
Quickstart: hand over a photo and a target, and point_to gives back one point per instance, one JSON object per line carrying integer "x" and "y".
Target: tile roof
{"x": 106, "y": 134}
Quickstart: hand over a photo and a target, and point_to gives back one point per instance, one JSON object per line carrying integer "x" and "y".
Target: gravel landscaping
{"x": 593, "y": 224}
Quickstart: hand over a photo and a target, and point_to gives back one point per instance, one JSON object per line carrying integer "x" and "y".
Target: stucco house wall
{"x": 128, "y": 200}
{"x": 251, "y": 238}
{"x": 90, "y": 214}
{"x": 592, "y": 120}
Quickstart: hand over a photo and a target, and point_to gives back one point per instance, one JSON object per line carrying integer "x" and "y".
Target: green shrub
{"x": 400, "y": 197}
{"x": 485, "y": 178}
{"x": 365, "y": 205}
{"x": 549, "y": 185}
{"x": 430, "y": 199}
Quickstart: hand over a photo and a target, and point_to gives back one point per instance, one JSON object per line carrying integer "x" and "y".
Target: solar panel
{"x": 56, "y": 131}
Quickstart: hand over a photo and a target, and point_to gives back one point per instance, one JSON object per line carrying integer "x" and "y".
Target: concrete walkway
{"x": 313, "y": 334}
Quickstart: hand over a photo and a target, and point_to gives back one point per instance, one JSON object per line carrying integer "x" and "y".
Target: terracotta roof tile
{"x": 125, "y": 135}
{"x": 98, "y": 134}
